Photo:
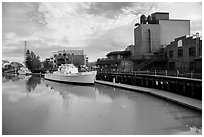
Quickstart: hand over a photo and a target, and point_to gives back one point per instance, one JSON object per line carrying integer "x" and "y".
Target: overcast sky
{"x": 97, "y": 28}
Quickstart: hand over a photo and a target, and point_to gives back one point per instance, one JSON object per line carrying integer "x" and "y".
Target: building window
{"x": 64, "y": 54}
{"x": 191, "y": 66}
{"x": 200, "y": 50}
{"x": 172, "y": 65}
{"x": 55, "y": 55}
{"x": 72, "y": 53}
{"x": 180, "y": 43}
{"x": 180, "y": 52}
{"x": 60, "y": 54}
{"x": 192, "y": 51}
{"x": 171, "y": 54}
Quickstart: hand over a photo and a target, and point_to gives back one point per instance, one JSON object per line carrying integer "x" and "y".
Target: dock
{"x": 183, "y": 100}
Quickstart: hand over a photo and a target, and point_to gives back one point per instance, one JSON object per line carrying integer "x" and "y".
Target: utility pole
{"x": 25, "y": 53}
{"x": 197, "y": 45}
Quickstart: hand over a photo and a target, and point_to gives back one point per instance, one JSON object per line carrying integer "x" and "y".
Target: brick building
{"x": 184, "y": 54}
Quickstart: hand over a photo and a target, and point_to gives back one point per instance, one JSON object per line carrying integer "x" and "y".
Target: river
{"x": 34, "y": 106}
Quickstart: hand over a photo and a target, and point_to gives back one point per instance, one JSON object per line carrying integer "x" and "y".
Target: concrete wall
{"x": 126, "y": 66}
{"x": 142, "y": 44}
{"x": 171, "y": 29}
{"x": 131, "y": 48}
{"x": 160, "y": 15}
{"x": 163, "y": 33}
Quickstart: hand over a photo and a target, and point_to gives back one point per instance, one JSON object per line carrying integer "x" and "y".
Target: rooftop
{"x": 119, "y": 53}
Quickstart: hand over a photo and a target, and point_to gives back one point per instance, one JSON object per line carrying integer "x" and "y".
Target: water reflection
{"x": 192, "y": 131}
{"x": 98, "y": 93}
{"x": 65, "y": 89}
{"x": 14, "y": 77}
{"x": 94, "y": 91}
{"x": 111, "y": 92}
{"x": 191, "y": 119}
{"x": 32, "y": 83}
{"x": 8, "y": 77}
{"x": 56, "y": 108}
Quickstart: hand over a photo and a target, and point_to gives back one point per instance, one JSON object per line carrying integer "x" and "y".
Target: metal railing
{"x": 171, "y": 73}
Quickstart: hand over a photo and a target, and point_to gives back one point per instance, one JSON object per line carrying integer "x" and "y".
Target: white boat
{"x": 69, "y": 73}
{"x": 23, "y": 71}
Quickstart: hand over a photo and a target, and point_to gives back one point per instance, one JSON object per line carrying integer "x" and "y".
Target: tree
{"x": 32, "y": 61}
{"x": 36, "y": 62}
{"x": 28, "y": 61}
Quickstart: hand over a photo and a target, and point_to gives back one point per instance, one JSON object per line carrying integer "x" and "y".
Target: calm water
{"x": 37, "y": 106}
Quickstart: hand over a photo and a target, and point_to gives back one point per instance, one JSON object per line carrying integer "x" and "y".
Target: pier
{"x": 186, "y": 101}
{"x": 177, "y": 89}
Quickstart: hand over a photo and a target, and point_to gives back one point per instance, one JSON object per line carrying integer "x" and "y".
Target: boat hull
{"x": 78, "y": 78}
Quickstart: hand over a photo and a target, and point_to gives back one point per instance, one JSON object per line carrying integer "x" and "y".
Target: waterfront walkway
{"x": 186, "y": 101}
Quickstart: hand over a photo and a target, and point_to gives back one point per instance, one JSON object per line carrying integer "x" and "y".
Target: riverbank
{"x": 186, "y": 101}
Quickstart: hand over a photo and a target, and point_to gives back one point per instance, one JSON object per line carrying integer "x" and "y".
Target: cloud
{"x": 17, "y": 18}
{"x": 114, "y": 39}
{"x": 71, "y": 23}
{"x": 97, "y": 28}
{"x": 65, "y": 25}
{"x": 10, "y": 35}
{"x": 108, "y": 9}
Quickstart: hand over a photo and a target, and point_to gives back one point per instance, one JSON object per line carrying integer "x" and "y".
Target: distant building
{"x": 76, "y": 57}
{"x": 48, "y": 60}
{"x": 116, "y": 61}
{"x": 87, "y": 60}
{"x": 185, "y": 54}
{"x": 5, "y": 62}
{"x": 11, "y": 65}
{"x": 155, "y": 30}
{"x": 92, "y": 65}
{"x": 17, "y": 65}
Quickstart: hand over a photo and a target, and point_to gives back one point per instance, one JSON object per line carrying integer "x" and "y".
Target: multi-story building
{"x": 160, "y": 43}
{"x": 184, "y": 52}
{"x": 156, "y": 30}
{"x": 116, "y": 61}
{"x": 76, "y": 57}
